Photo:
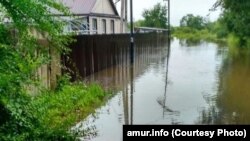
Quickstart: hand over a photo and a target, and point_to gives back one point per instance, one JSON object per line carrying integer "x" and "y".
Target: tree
{"x": 236, "y": 16}
{"x": 196, "y": 22}
{"x": 155, "y": 17}
{"x": 19, "y": 63}
{"x": 139, "y": 23}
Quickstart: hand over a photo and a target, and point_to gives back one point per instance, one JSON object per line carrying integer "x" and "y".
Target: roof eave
{"x": 114, "y": 8}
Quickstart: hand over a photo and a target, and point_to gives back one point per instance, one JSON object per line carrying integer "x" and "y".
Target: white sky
{"x": 179, "y": 8}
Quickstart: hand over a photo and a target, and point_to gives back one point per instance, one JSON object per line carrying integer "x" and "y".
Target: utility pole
{"x": 122, "y": 16}
{"x": 126, "y": 12}
{"x": 168, "y": 3}
{"x": 131, "y": 33}
{"x": 169, "y": 31}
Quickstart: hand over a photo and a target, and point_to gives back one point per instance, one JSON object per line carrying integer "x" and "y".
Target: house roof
{"x": 113, "y": 6}
{"x": 83, "y": 7}
{"x": 79, "y": 6}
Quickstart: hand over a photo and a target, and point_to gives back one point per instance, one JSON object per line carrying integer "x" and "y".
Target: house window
{"x": 104, "y": 29}
{"x": 112, "y": 26}
{"x": 94, "y": 25}
{"x": 84, "y": 24}
{"x": 74, "y": 26}
{"x": 79, "y": 26}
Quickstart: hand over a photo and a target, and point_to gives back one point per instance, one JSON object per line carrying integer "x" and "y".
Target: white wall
{"x": 117, "y": 23}
{"x": 108, "y": 24}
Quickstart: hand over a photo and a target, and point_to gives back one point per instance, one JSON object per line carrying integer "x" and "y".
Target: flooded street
{"x": 186, "y": 83}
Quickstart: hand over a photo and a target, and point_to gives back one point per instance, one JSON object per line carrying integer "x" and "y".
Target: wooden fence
{"x": 93, "y": 53}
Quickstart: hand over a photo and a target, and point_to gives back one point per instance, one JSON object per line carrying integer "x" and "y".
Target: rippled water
{"x": 184, "y": 83}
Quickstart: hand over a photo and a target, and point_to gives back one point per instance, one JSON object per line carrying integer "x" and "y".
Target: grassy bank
{"x": 68, "y": 105}
{"x": 194, "y": 34}
{"x": 51, "y": 114}
{"x": 235, "y": 44}
{"x": 71, "y": 103}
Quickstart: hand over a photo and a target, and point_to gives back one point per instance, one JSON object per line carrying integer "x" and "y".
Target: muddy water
{"x": 180, "y": 83}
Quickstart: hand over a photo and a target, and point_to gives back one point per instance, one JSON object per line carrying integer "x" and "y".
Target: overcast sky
{"x": 179, "y": 8}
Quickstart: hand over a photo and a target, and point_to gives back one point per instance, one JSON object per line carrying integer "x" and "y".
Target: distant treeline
{"x": 232, "y": 26}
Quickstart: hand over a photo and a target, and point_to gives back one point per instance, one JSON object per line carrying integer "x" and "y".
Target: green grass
{"x": 69, "y": 105}
{"x": 192, "y": 34}
{"x": 195, "y": 35}
{"x": 49, "y": 115}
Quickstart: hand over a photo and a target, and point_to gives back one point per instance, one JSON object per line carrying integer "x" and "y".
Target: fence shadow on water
{"x": 94, "y": 53}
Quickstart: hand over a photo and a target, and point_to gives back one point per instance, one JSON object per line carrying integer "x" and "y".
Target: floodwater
{"x": 181, "y": 83}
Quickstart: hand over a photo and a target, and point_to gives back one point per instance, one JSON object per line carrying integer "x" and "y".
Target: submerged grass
{"x": 68, "y": 105}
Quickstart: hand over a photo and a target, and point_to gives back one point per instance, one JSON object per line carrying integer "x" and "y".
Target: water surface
{"x": 184, "y": 83}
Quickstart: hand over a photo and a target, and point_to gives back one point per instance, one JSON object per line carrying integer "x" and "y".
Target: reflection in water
{"x": 190, "y": 43}
{"x": 131, "y": 93}
{"x": 162, "y": 100}
{"x": 121, "y": 80}
{"x": 173, "y": 85}
{"x": 231, "y": 104}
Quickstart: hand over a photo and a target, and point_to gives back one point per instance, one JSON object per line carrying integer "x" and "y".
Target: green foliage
{"x": 139, "y": 23}
{"x": 232, "y": 26}
{"x": 194, "y": 34}
{"x": 196, "y": 22}
{"x": 220, "y": 29}
{"x": 4, "y": 35}
{"x": 197, "y": 28}
{"x": 26, "y": 15}
{"x": 21, "y": 55}
{"x": 17, "y": 123}
{"x": 62, "y": 109}
{"x": 236, "y": 17}
{"x": 62, "y": 81}
{"x": 155, "y": 17}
